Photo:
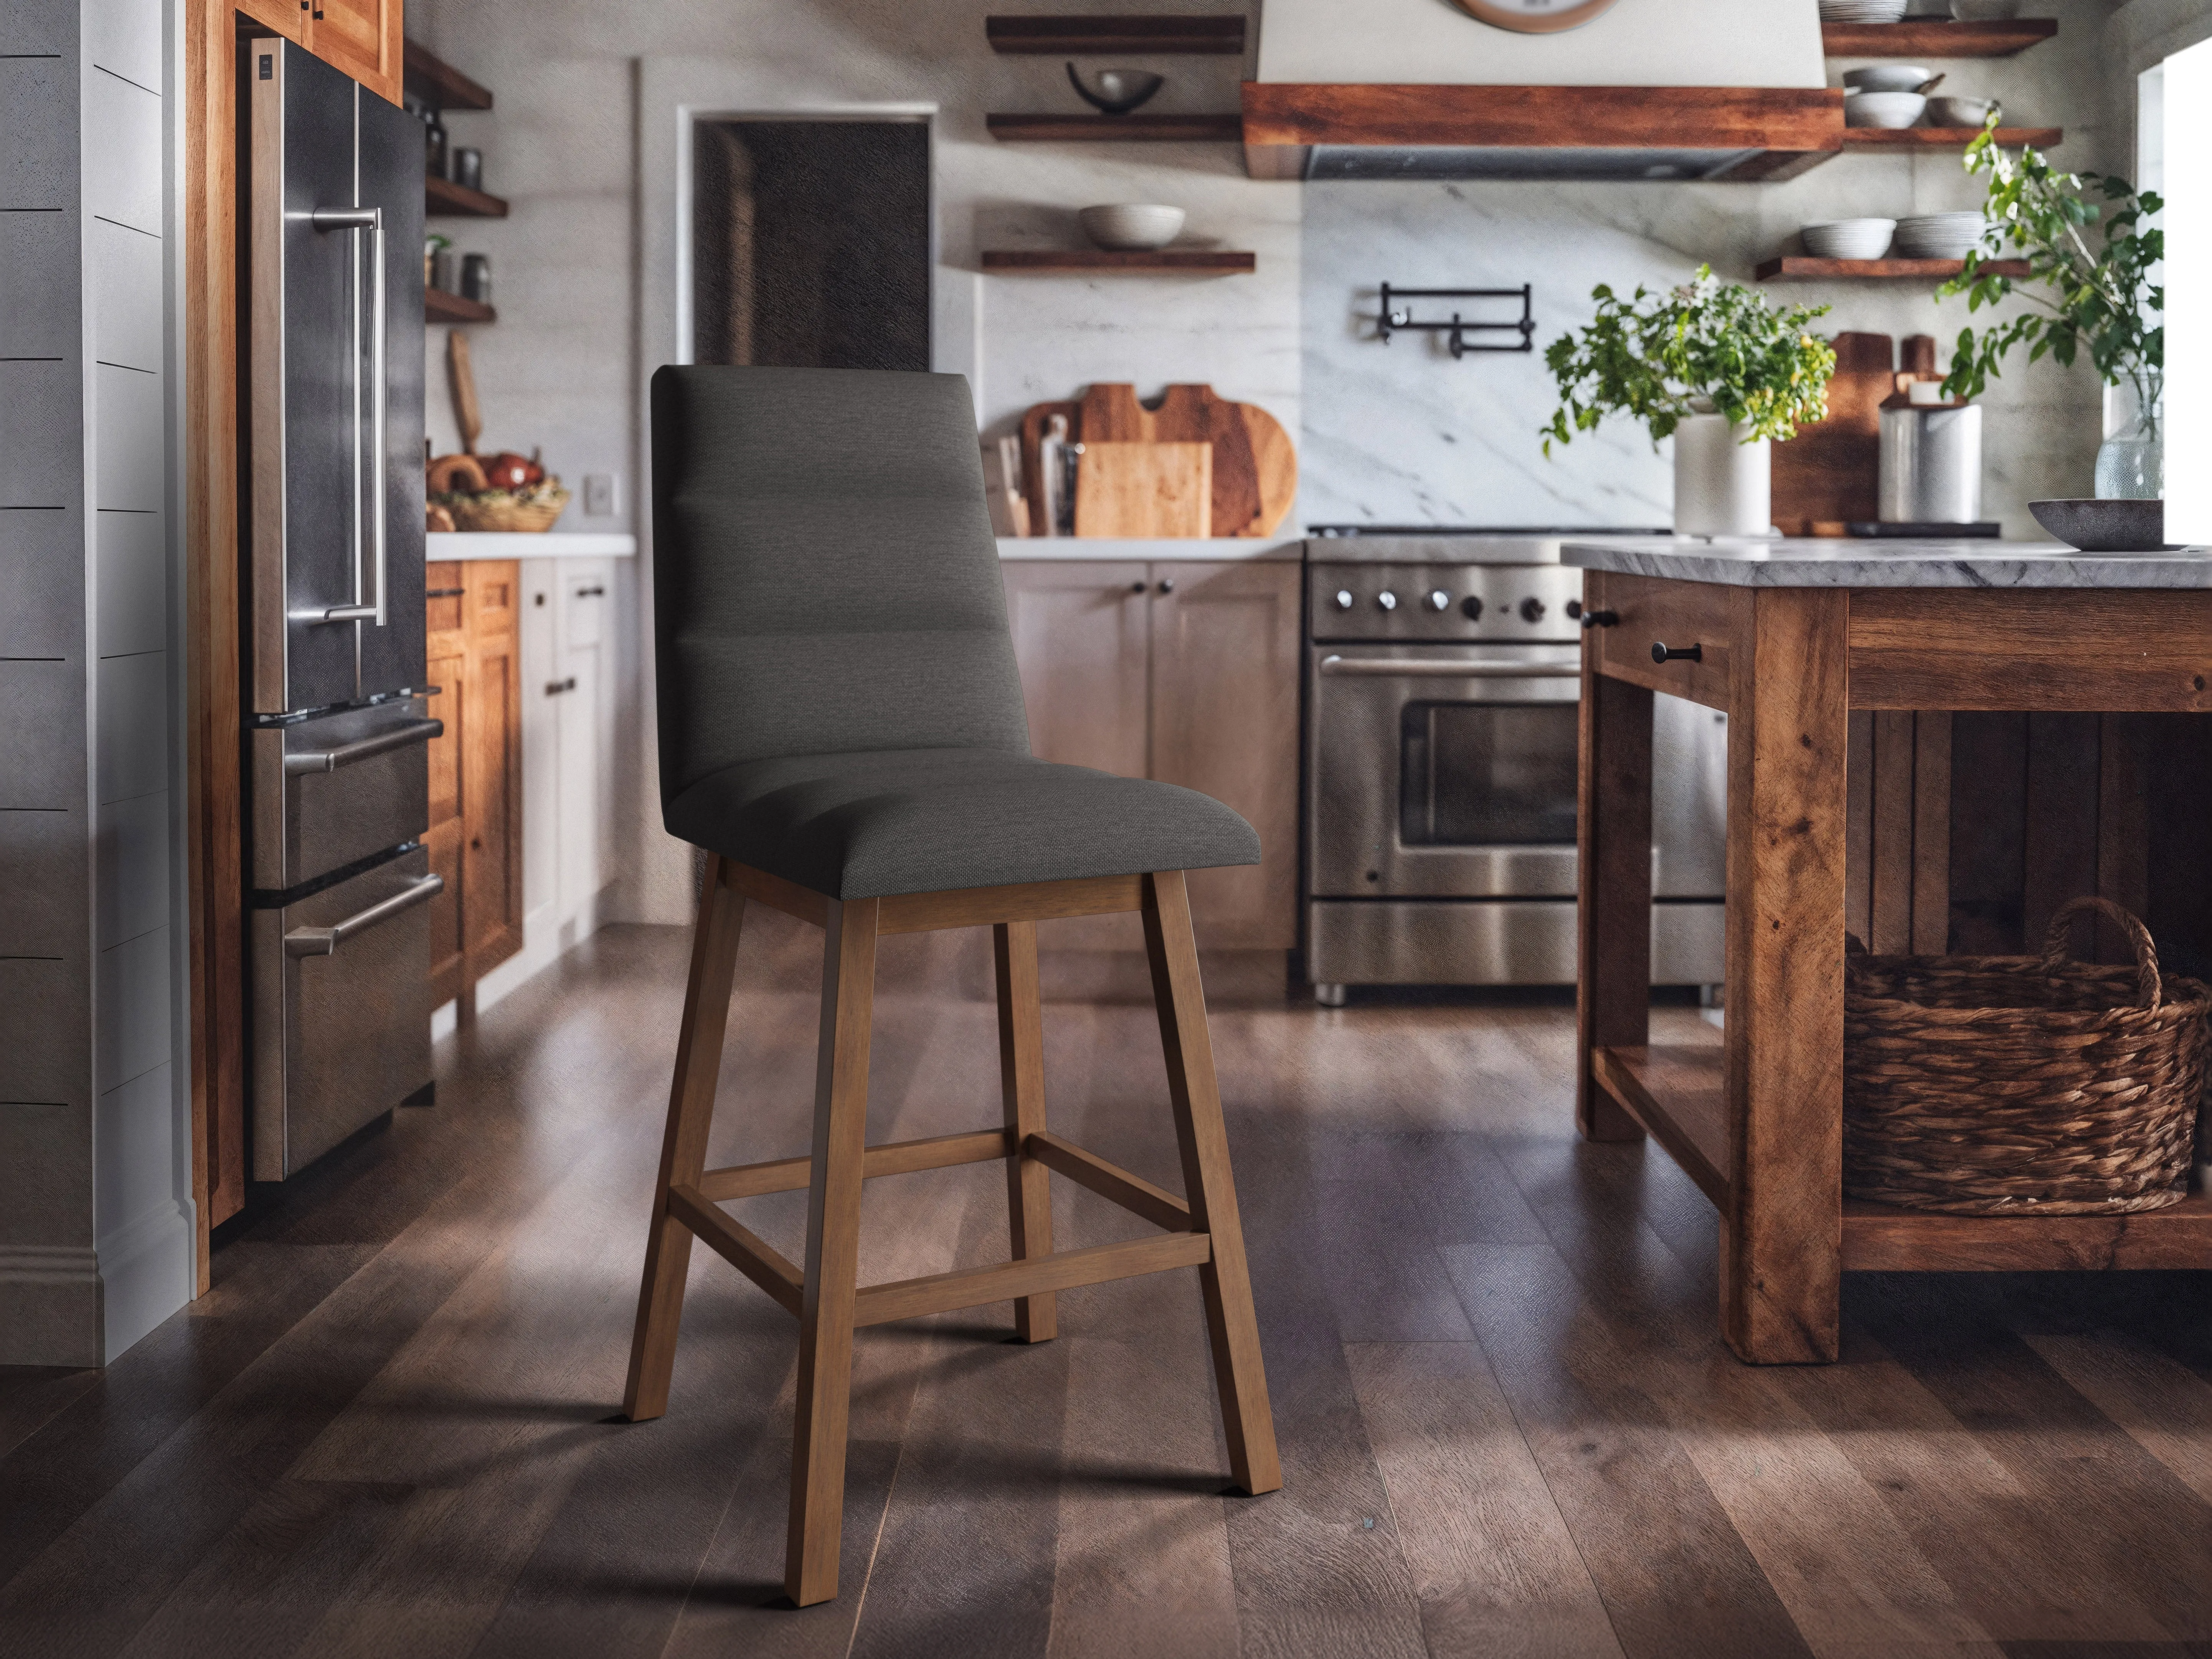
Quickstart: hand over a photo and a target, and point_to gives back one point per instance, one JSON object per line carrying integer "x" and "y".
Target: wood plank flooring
{"x": 1508, "y": 1424}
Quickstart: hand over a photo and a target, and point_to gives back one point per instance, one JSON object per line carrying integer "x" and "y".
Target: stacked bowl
{"x": 1848, "y": 239}
{"x": 1938, "y": 235}
{"x": 1862, "y": 11}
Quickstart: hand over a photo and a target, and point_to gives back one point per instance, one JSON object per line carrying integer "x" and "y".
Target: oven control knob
{"x": 1438, "y": 600}
{"x": 1387, "y": 599}
{"x": 1471, "y": 608}
{"x": 1532, "y": 610}
{"x": 1344, "y": 599}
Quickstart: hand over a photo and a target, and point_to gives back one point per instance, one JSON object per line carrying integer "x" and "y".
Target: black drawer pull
{"x": 555, "y": 688}
{"x": 1600, "y": 618}
{"x": 1677, "y": 652}
{"x": 443, "y": 592}
{"x": 591, "y": 593}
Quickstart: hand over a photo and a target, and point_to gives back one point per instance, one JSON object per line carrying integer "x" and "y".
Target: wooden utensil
{"x": 1256, "y": 467}
{"x": 464, "y": 382}
{"x": 1144, "y": 489}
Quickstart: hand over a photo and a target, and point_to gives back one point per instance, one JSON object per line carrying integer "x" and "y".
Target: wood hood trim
{"x": 1281, "y": 119}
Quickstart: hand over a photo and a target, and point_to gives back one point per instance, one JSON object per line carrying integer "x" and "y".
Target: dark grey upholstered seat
{"x": 838, "y": 700}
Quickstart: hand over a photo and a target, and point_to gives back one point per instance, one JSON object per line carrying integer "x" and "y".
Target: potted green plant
{"x": 1714, "y": 365}
{"x": 2090, "y": 256}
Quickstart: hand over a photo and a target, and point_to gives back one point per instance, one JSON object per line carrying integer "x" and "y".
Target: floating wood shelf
{"x": 1107, "y": 129}
{"x": 439, "y": 85}
{"x": 446, "y": 197}
{"x": 1189, "y": 262}
{"x": 1676, "y": 1091}
{"x": 1933, "y": 37}
{"x": 1214, "y": 34}
{"x": 1947, "y": 137}
{"x": 440, "y": 306}
{"x": 1791, "y": 267}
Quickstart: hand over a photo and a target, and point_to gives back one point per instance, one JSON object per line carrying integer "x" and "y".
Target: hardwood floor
{"x": 1508, "y": 1423}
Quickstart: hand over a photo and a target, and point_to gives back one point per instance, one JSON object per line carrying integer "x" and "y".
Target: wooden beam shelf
{"x": 440, "y": 306}
{"x": 1108, "y": 129}
{"x": 1677, "y": 1093}
{"x": 446, "y": 198}
{"x": 1935, "y": 37}
{"x": 1214, "y": 34}
{"x": 1186, "y": 262}
{"x": 439, "y": 85}
{"x": 1801, "y": 267}
{"x": 1920, "y": 138}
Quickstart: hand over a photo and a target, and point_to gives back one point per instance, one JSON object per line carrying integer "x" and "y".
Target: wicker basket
{"x": 1988, "y": 1085}
{"x": 533, "y": 509}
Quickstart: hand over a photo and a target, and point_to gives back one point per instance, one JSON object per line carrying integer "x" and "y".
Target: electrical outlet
{"x": 601, "y": 499}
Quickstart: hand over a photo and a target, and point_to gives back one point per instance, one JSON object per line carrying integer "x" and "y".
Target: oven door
{"x": 1440, "y": 771}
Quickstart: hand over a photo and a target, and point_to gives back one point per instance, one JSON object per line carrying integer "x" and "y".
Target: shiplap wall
{"x": 96, "y": 1218}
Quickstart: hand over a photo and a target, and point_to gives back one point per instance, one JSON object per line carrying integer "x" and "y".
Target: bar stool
{"x": 842, "y": 729}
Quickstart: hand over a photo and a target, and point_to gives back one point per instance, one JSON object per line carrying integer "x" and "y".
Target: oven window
{"x": 1487, "y": 775}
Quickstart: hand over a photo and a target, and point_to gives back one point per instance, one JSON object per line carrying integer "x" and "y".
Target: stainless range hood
{"x": 1649, "y": 90}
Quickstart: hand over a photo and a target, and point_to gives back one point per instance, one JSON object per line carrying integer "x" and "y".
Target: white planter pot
{"x": 1721, "y": 487}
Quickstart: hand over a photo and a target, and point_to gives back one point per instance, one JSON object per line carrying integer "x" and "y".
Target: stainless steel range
{"x": 1442, "y": 684}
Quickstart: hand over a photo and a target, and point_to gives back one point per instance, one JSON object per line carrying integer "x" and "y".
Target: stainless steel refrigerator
{"x": 338, "y": 937}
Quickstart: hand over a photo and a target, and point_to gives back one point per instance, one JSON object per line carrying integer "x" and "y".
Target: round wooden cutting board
{"x": 1255, "y": 468}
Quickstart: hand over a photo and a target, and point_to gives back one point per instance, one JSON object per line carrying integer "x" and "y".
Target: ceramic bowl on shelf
{"x": 1886, "y": 78}
{"x": 1960, "y": 112}
{"x": 2093, "y": 527}
{"x": 1863, "y": 11}
{"x": 1131, "y": 227}
{"x": 1848, "y": 239}
{"x": 1883, "y": 109}
{"x": 1984, "y": 11}
{"x": 1938, "y": 235}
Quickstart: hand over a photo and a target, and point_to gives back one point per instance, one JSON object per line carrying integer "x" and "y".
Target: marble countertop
{"x": 1792, "y": 562}
{"x": 1214, "y": 548}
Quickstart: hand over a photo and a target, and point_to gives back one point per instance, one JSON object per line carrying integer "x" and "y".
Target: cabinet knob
{"x": 1167, "y": 583}
{"x": 1600, "y": 618}
{"x": 1136, "y": 587}
{"x": 1677, "y": 652}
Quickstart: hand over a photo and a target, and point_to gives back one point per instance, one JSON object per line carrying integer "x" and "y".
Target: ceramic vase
{"x": 1722, "y": 487}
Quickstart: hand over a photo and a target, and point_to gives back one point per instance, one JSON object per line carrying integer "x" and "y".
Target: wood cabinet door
{"x": 290, "y": 18}
{"x": 491, "y": 767}
{"x": 362, "y": 37}
{"x": 447, "y": 655}
{"x": 1080, "y": 638}
{"x": 1225, "y": 643}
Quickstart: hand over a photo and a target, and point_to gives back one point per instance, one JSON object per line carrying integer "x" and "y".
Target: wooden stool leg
{"x": 833, "y": 1252}
{"x": 683, "y": 1150}
{"x": 1021, "y": 1081}
{"x": 1247, "y": 1424}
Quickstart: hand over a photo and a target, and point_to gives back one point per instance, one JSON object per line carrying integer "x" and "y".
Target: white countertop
{"x": 1290, "y": 549}
{"x": 1792, "y": 562}
{"x": 517, "y": 544}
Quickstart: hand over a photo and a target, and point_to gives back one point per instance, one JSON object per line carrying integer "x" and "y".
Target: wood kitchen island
{"x": 1788, "y": 637}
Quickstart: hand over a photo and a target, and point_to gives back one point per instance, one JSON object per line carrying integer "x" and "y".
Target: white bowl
{"x": 1848, "y": 239}
{"x": 1984, "y": 11}
{"x": 1959, "y": 112}
{"x": 1938, "y": 235}
{"x": 1131, "y": 226}
{"x": 1862, "y": 11}
{"x": 1887, "y": 77}
{"x": 1883, "y": 109}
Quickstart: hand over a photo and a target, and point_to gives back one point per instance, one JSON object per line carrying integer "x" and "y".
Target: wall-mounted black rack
{"x": 1462, "y": 334}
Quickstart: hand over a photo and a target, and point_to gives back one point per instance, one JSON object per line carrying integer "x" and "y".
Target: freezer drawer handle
{"x": 1451, "y": 671}
{"x": 325, "y": 941}
{"x": 369, "y": 220}
{"x": 345, "y": 754}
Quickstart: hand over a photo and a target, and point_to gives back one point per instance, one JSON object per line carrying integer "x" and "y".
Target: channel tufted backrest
{"x": 825, "y": 579}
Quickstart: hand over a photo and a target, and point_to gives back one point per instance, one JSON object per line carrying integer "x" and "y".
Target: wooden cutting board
{"x": 1828, "y": 474}
{"x": 1254, "y": 466}
{"x": 1144, "y": 489}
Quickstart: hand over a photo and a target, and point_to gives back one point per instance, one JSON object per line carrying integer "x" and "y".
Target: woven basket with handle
{"x": 1988, "y": 1085}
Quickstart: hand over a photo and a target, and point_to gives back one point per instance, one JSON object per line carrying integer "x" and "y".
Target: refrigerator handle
{"x": 367, "y": 607}
{"x": 325, "y": 941}
{"x": 301, "y": 761}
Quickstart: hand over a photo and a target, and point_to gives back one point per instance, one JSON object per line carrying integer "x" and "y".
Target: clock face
{"x": 1535, "y": 16}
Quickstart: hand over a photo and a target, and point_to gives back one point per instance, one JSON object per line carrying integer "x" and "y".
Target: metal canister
{"x": 1931, "y": 463}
